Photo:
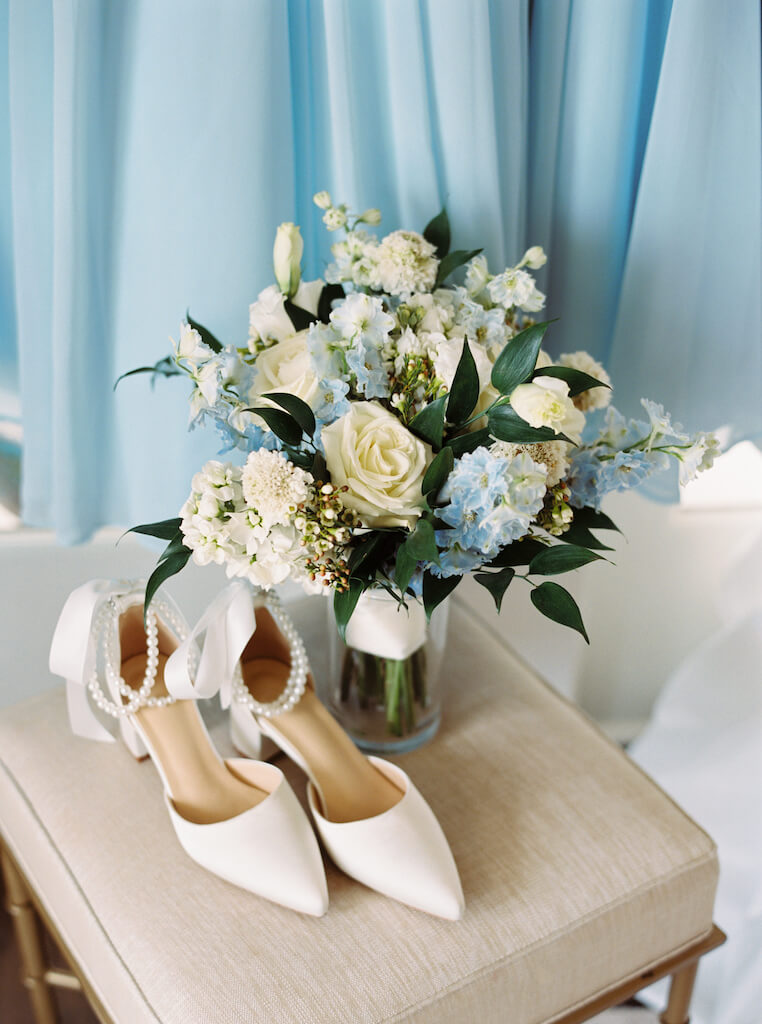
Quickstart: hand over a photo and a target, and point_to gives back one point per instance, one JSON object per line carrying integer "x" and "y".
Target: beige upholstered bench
{"x": 583, "y": 880}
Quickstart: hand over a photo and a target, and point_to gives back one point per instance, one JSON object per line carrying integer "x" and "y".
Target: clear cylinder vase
{"x": 384, "y": 685}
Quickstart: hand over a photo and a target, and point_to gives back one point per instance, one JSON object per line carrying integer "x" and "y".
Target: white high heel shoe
{"x": 239, "y": 818}
{"x": 374, "y": 823}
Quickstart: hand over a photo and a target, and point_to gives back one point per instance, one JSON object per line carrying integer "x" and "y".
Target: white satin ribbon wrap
{"x": 229, "y": 623}
{"x": 381, "y": 626}
{"x": 73, "y": 653}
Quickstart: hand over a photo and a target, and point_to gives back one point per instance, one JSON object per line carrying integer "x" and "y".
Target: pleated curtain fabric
{"x": 154, "y": 146}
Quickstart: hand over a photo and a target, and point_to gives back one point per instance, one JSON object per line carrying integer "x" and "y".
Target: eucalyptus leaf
{"x": 561, "y": 558}
{"x": 300, "y": 318}
{"x": 496, "y": 583}
{"x": 437, "y": 232}
{"x": 428, "y": 424}
{"x": 436, "y": 589}
{"x": 577, "y": 380}
{"x": 517, "y": 361}
{"x": 557, "y": 604}
{"x": 298, "y": 408}
{"x": 506, "y": 425}
{"x": 282, "y": 424}
{"x": 206, "y": 335}
{"x": 438, "y": 471}
{"x": 344, "y": 604}
{"x": 465, "y": 443}
{"x": 464, "y": 393}
{"x": 329, "y": 294}
{"x": 452, "y": 261}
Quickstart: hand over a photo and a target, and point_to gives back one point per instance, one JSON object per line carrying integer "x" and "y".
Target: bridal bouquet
{"x": 399, "y": 430}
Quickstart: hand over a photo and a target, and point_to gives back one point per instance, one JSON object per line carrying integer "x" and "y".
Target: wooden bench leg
{"x": 680, "y": 992}
{"x": 26, "y": 925}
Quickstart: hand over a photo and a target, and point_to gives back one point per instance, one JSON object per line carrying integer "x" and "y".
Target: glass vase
{"x": 384, "y": 685}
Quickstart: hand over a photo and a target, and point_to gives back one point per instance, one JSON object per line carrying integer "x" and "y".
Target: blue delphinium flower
{"x": 332, "y": 401}
{"x": 454, "y": 560}
{"x": 365, "y": 362}
{"x": 326, "y": 352}
{"x": 490, "y": 502}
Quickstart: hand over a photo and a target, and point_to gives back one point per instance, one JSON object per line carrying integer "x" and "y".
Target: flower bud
{"x": 371, "y": 216}
{"x": 534, "y": 258}
{"x": 322, "y": 199}
{"x": 335, "y": 217}
{"x": 287, "y": 258}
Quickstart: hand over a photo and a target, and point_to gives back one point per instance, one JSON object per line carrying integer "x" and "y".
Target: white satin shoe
{"x": 372, "y": 820}
{"x": 239, "y": 818}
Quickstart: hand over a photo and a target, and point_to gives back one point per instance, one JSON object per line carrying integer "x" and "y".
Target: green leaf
{"x": 518, "y": 359}
{"x": 576, "y": 379}
{"x": 167, "y": 529}
{"x": 437, "y": 231}
{"x": 318, "y": 468}
{"x": 298, "y": 408}
{"x": 452, "y": 261}
{"x": 469, "y": 442}
{"x": 344, "y": 604}
{"x": 438, "y": 471}
{"x": 429, "y": 422}
{"x": 281, "y": 423}
{"x": 435, "y": 590}
{"x": 419, "y": 546}
{"x": 206, "y": 335}
{"x": 329, "y": 294}
{"x": 299, "y": 317}
{"x": 561, "y": 558}
{"x": 557, "y": 604}
{"x": 303, "y": 460}
{"x": 174, "y": 558}
{"x": 368, "y": 551}
{"x": 580, "y": 536}
{"x": 165, "y": 368}
{"x": 520, "y": 552}
{"x": 464, "y": 393}
{"x": 594, "y": 520}
{"x": 496, "y": 583}
{"x": 506, "y": 425}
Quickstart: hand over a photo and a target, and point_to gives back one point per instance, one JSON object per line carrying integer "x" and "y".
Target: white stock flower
{"x": 334, "y": 218}
{"x": 380, "y": 462}
{"x": 534, "y": 258}
{"x": 513, "y": 287}
{"x": 322, "y": 199}
{"x": 594, "y": 398}
{"x": 286, "y": 367}
{"x": 287, "y": 257}
{"x": 545, "y": 402}
{"x": 362, "y": 314}
{"x": 273, "y": 487}
{"x": 699, "y": 457}
{"x": 477, "y": 275}
{"x": 404, "y": 263}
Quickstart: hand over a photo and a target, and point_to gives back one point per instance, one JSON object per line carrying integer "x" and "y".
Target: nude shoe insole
{"x": 202, "y": 788}
{"x": 349, "y": 786}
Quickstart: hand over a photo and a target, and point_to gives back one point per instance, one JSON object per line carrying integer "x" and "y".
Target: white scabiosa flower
{"x": 405, "y": 263}
{"x": 595, "y": 398}
{"x": 274, "y": 487}
{"x": 545, "y": 402}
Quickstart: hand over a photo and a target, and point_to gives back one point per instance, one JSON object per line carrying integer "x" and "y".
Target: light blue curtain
{"x": 155, "y": 145}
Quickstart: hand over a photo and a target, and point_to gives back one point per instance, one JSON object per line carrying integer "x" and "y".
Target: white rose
{"x": 287, "y": 258}
{"x": 381, "y": 463}
{"x": 287, "y": 367}
{"x": 268, "y": 318}
{"x": 545, "y": 402}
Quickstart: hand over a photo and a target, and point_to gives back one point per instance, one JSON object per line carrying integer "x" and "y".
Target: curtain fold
{"x": 155, "y": 147}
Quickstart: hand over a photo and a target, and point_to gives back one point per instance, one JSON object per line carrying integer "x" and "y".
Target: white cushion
{"x": 578, "y": 871}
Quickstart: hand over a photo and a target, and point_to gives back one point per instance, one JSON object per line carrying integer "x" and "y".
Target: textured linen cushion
{"x": 578, "y": 871}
